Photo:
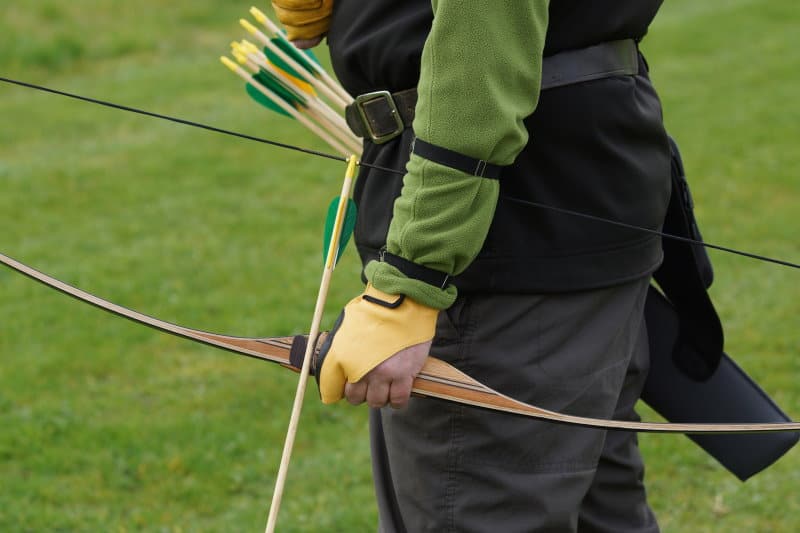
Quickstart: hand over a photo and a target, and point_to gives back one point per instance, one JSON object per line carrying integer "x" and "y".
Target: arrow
{"x": 281, "y": 103}
{"x": 302, "y": 57}
{"x": 294, "y": 91}
{"x": 322, "y": 295}
{"x": 297, "y": 67}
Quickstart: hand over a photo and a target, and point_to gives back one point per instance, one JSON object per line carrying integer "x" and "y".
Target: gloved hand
{"x": 377, "y": 347}
{"x": 306, "y": 21}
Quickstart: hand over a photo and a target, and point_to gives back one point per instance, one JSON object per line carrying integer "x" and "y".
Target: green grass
{"x": 108, "y": 426}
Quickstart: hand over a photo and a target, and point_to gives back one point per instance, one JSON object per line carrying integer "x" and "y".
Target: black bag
{"x": 691, "y": 379}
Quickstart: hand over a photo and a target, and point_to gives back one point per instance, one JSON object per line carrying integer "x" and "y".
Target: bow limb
{"x": 274, "y": 349}
{"x": 437, "y": 379}
{"x": 443, "y": 381}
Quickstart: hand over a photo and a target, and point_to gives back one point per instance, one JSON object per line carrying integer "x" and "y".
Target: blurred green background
{"x": 109, "y": 426}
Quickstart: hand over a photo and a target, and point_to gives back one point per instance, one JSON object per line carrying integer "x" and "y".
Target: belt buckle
{"x": 379, "y": 137}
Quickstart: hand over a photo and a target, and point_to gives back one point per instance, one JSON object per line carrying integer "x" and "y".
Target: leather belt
{"x": 381, "y": 116}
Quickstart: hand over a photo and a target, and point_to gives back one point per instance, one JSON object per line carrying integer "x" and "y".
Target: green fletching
{"x": 275, "y": 85}
{"x": 256, "y": 95}
{"x": 303, "y": 58}
{"x": 310, "y": 55}
{"x": 281, "y": 64}
{"x": 270, "y": 82}
{"x": 347, "y": 227}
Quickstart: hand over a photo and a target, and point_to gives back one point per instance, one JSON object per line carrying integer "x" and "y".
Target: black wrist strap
{"x": 414, "y": 271}
{"x": 458, "y": 161}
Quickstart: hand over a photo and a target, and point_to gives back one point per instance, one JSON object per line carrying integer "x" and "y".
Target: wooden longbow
{"x": 437, "y": 379}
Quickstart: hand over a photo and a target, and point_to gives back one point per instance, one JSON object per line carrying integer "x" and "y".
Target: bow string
{"x": 343, "y": 159}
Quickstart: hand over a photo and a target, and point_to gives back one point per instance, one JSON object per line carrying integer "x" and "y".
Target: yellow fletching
{"x": 294, "y": 80}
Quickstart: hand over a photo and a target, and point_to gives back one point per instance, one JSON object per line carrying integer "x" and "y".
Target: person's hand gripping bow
{"x": 377, "y": 347}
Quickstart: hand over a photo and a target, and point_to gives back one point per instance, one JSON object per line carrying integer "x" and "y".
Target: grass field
{"x": 108, "y": 426}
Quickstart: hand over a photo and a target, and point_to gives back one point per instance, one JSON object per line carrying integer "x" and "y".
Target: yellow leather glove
{"x": 304, "y": 19}
{"x": 372, "y": 328}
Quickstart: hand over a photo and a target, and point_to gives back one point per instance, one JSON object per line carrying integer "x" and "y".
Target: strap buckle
{"x": 379, "y": 137}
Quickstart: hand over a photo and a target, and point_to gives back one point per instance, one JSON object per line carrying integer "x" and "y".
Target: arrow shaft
{"x": 327, "y": 273}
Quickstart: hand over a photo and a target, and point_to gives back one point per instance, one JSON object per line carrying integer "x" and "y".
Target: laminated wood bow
{"x": 437, "y": 379}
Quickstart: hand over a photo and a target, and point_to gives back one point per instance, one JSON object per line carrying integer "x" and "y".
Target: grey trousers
{"x": 444, "y": 467}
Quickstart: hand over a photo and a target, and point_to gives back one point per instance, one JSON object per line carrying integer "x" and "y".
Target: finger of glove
{"x": 307, "y": 32}
{"x": 304, "y": 19}
{"x": 332, "y": 382}
{"x": 300, "y": 5}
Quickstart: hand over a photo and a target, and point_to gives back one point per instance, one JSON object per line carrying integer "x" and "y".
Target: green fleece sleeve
{"x": 480, "y": 78}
